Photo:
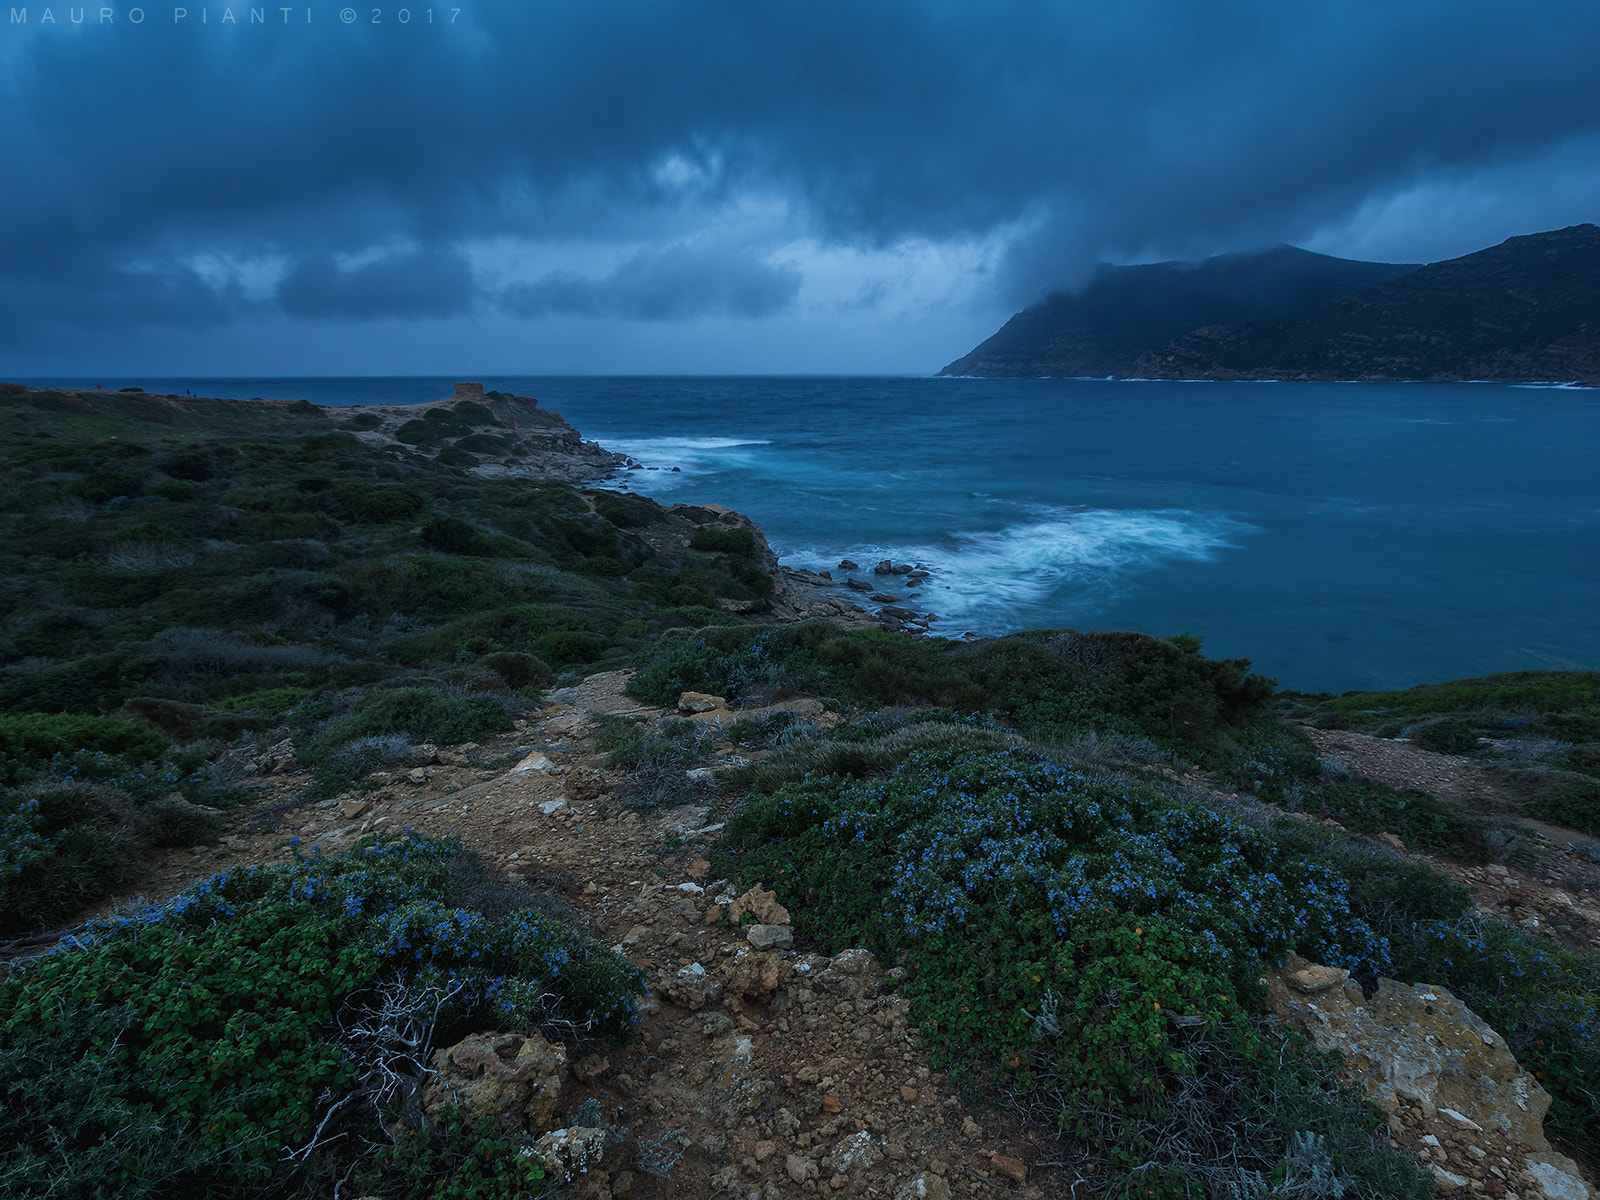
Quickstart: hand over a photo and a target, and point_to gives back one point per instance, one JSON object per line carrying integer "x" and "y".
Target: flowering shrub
{"x": 227, "y": 1000}
{"x": 1067, "y": 937}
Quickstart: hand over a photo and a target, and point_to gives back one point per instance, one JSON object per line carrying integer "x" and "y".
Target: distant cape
{"x": 1525, "y": 311}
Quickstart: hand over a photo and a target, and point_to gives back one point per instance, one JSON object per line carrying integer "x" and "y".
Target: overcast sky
{"x": 620, "y": 186}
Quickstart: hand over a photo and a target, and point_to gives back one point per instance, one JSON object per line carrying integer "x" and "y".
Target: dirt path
{"x": 783, "y": 1073}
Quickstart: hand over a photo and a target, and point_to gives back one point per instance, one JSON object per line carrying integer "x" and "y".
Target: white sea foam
{"x": 690, "y": 455}
{"x": 981, "y": 581}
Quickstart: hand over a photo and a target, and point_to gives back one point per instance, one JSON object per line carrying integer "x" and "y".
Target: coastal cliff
{"x": 1525, "y": 311}
{"x": 1121, "y": 313}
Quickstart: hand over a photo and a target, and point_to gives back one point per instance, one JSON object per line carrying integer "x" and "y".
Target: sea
{"x": 1341, "y": 536}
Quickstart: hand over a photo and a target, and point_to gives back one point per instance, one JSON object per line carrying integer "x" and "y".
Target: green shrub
{"x": 28, "y": 740}
{"x": 690, "y": 597}
{"x": 211, "y": 1025}
{"x": 382, "y": 503}
{"x": 175, "y": 491}
{"x": 193, "y": 465}
{"x": 420, "y": 433}
{"x": 452, "y": 536}
{"x": 738, "y": 542}
{"x": 520, "y": 670}
{"x": 1421, "y": 819}
{"x": 1564, "y": 798}
{"x": 428, "y": 716}
{"x": 567, "y": 646}
{"x": 1051, "y": 922}
{"x": 65, "y": 847}
{"x": 365, "y": 420}
{"x": 1051, "y": 681}
{"x": 1450, "y": 735}
{"x": 338, "y": 757}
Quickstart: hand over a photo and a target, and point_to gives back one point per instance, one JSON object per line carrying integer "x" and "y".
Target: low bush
{"x": 520, "y": 670}
{"x": 29, "y": 740}
{"x": 338, "y": 755}
{"x": 450, "y": 535}
{"x": 1052, "y": 923}
{"x": 1052, "y": 682}
{"x": 229, "y": 1035}
{"x": 1565, "y": 798}
{"x": 738, "y": 542}
{"x": 1420, "y": 819}
{"x": 1448, "y": 735}
{"x": 656, "y": 760}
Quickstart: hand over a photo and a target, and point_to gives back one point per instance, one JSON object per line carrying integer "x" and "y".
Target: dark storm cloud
{"x": 1084, "y": 130}
{"x": 676, "y": 283}
{"x": 427, "y": 282}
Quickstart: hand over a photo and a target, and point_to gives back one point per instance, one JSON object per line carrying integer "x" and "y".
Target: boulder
{"x": 756, "y": 975}
{"x": 770, "y": 937}
{"x": 690, "y": 988}
{"x": 762, "y": 905}
{"x": 568, "y": 1152}
{"x": 1418, "y": 1043}
{"x": 846, "y": 565}
{"x": 583, "y": 783}
{"x": 699, "y": 702}
{"x": 277, "y": 759}
{"x": 498, "y": 1075}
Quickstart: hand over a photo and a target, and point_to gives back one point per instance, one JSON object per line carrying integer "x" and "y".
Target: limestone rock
{"x": 277, "y": 759}
{"x": 762, "y": 905}
{"x": 492, "y": 1075}
{"x": 699, "y": 702}
{"x": 926, "y": 1186}
{"x": 568, "y": 1152}
{"x": 1014, "y": 1167}
{"x": 768, "y": 937}
{"x": 756, "y": 975}
{"x": 583, "y": 783}
{"x": 1313, "y": 979}
{"x": 858, "y": 1152}
{"x": 690, "y": 988}
{"x": 533, "y": 762}
{"x": 1420, "y": 1044}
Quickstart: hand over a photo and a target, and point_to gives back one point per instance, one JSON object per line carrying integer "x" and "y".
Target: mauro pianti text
{"x": 247, "y": 15}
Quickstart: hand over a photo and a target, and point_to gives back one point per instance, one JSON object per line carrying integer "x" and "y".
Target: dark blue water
{"x": 1341, "y": 536}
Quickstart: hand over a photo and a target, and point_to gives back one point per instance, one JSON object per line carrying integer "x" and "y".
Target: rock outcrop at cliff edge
{"x": 1454, "y": 1093}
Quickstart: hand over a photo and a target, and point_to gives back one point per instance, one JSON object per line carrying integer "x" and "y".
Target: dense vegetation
{"x": 1081, "y": 933}
{"x": 178, "y": 581}
{"x": 1083, "y": 939}
{"x": 250, "y": 1036}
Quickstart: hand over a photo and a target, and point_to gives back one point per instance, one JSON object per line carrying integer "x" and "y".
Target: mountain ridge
{"x": 1123, "y": 312}
{"x": 1524, "y": 311}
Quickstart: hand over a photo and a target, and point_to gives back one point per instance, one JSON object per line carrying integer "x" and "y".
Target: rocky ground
{"x": 765, "y": 1068}
{"x": 1554, "y": 887}
{"x": 764, "y": 1072}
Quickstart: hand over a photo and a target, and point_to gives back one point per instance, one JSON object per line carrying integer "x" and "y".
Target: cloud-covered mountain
{"x": 1122, "y": 313}
{"x": 1525, "y": 311}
